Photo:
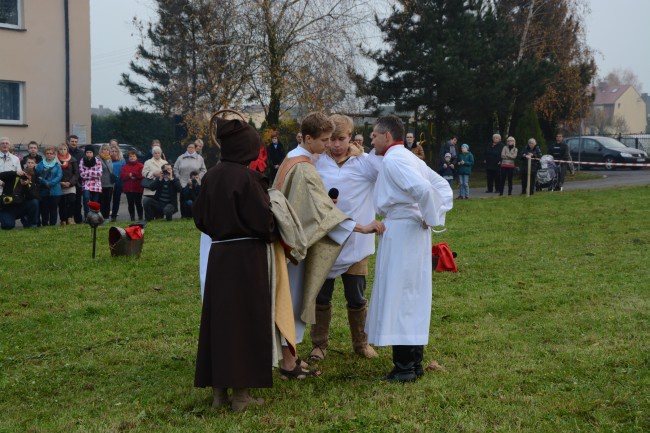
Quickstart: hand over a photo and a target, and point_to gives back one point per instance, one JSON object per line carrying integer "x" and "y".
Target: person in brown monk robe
{"x": 233, "y": 208}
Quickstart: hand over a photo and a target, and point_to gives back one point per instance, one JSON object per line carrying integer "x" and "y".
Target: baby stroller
{"x": 547, "y": 175}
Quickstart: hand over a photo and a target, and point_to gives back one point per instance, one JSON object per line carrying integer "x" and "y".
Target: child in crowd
{"x": 465, "y": 164}
{"x": 447, "y": 169}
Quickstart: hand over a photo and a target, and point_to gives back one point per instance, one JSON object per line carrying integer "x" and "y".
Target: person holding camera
{"x": 189, "y": 194}
{"x": 165, "y": 200}
{"x": 19, "y": 198}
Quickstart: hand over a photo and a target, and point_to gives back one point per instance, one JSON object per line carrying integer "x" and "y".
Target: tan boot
{"x": 63, "y": 222}
{"x": 220, "y": 397}
{"x": 357, "y": 321}
{"x": 320, "y": 332}
{"x": 71, "y": 221}
{"x": 241, "y": 400}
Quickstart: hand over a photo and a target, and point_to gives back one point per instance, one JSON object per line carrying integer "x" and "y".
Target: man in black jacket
{"x": 78, "y": 154}
{"x": 493, "y": 163}
{"x": 165, "y": 201}
{"x": 276, "y": 154}
{"x": 560, "y": 151}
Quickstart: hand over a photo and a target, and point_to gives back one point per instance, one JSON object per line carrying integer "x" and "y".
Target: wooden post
{"x": 528, "y": 174}
{"x": 94, "y": 240}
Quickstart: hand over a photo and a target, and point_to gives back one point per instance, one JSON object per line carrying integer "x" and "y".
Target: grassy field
{"x": 543, "y": 329}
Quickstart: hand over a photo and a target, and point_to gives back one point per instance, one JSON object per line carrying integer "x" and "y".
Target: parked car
{"x": 603, "y": 149}
{"x": 125, "y": 149}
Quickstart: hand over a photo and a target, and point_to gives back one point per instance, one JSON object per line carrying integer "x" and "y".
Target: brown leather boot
{"x": 320, "y": 332}
{"x": 357, "y": 321}
{"x": 71, "y": 221}
{"x": 241, "y": 400}
{"x": 220, "y": 397}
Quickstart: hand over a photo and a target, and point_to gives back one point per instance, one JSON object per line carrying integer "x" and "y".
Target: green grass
{"x": 543, "y": 329}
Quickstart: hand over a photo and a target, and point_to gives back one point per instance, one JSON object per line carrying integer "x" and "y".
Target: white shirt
{"x": 407, "y": 188}
{"x": 8, "y": 162}
{"x": 355, "y": 181}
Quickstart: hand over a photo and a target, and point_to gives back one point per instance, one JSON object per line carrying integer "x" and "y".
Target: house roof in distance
{"x": 609, "y": 94}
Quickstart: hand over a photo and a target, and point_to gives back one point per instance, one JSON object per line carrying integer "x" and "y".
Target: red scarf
{"x": 394, "y": 144}
{"x": 64, "y": 162}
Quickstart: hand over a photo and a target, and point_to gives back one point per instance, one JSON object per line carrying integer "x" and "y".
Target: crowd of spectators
{"x": 57, "y": 185}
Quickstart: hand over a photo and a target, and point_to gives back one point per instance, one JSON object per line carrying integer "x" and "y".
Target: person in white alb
{"x": 8, "y": 161}
{"x": 412, "y": 198}
{"x": 349, "y": 172}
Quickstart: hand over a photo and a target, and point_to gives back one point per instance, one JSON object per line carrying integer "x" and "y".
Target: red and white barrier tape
{"x": 613, "y": 164}
{"x": 609, "y": 164}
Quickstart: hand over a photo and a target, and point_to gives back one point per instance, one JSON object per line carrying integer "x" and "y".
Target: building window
{"x": 11, "y": 14}
{"x": 11, "y": 103}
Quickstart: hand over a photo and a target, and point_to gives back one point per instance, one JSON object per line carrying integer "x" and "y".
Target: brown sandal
{"x": 302, "y": 363}
{"x": 298, "y": 373}
{"x": 317, "y": 355}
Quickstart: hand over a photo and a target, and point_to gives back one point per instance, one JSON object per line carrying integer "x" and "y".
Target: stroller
{"x": 547, "y": 176}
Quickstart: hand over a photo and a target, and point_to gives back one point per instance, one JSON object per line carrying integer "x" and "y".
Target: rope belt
{"x": 232, "y": 240}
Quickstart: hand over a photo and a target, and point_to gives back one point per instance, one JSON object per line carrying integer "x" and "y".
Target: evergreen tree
{"x": 193, "y": 60}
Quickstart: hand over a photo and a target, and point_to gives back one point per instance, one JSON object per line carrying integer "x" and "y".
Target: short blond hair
{"x": 343, "y": 125}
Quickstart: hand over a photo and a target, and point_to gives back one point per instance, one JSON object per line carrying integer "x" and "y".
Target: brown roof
{"x": 606, "y": 95}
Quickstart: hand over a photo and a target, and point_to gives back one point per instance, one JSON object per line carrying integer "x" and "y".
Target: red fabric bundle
{"x": 134, "y": 232}
{"x": 260, "y": 163}
{"x": 444, "y": 256}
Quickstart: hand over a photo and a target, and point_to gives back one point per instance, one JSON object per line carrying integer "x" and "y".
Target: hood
{"x": 240, "y": 142}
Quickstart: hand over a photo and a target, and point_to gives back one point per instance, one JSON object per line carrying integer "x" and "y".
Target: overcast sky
{"x": 618, "y": 31}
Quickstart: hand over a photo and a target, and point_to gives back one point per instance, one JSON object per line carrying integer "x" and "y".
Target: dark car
{"x": 603, "y": 149}
{"x": 125, "y": 148}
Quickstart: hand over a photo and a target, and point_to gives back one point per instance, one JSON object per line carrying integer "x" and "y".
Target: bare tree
{"x": 551, "y": 32}
{"x": 620, "y": 76}
{"x": 303, "y": 48}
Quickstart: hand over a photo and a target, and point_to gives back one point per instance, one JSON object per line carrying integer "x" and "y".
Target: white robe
{"x": 411, "y": 198}
{"x": 355, "y": 181}
{"x": 297, "y": 272}
{"x": 204, "y": 253}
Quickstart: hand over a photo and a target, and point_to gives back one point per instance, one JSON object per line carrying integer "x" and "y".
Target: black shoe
{"x": 401, "y": 375}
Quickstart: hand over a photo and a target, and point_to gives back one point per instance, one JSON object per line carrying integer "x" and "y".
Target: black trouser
{"x": 408, "y": 358}
{"x": 134, "y": 201}
{"x": 506, "y": 172}
{"x": 561, "y": 174}
{"x": 492, "y": 176}
{"x": 524, "y": 181}
{"x": 186, "y": 208}
{"x": 107, "y": 195}
{"x": 117, "y": 196}
{"x": 66, "y": 206}
{"x": 154, "y": 208}
{"x": 49, "y": 206}
{"x": 354, "y": 287}
{"x": 78, "y": 217}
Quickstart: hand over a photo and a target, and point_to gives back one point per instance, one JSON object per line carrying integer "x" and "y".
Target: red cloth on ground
{"x": 446, "y": 260}
{"x": 134, "y": 232}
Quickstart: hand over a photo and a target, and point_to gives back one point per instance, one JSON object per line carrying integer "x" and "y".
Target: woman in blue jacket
{"x": 464, "y": 167}
{"x": 51, "y": 174}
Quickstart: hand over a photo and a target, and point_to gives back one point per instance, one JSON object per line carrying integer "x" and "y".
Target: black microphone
{"x": 333, "y": 193}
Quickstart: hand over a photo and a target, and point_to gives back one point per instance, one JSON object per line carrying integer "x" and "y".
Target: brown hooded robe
{"x": 235, "y": 341}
